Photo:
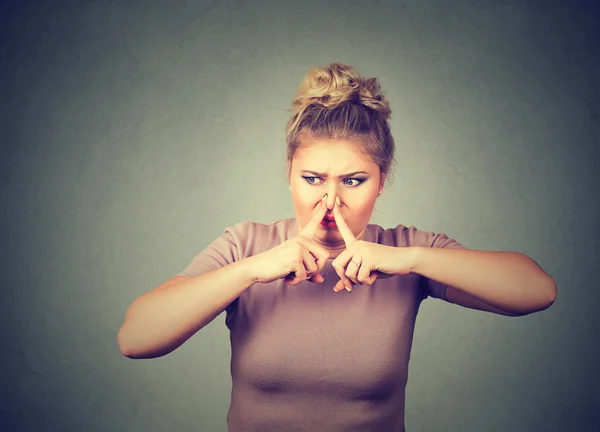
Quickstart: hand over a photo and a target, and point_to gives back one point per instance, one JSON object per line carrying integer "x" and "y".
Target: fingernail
{"x": 324, "y": 197}
{"x": 337, "y": 200}
{"x": 348, "y": 288}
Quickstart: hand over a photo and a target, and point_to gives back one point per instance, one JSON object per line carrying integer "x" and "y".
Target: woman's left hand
{"x": 363, "y": 261}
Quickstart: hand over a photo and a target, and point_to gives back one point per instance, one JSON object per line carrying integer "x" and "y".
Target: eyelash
{"x": 360, "y": 181}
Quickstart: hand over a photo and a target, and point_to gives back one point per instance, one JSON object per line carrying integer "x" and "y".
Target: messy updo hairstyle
{"x": 335, "y": 102}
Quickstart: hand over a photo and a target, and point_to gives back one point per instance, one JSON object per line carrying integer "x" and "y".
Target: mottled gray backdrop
{"x": 133, "y": 132}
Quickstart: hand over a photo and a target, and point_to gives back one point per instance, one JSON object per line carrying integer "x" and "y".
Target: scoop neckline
{"x": 369, "y": 230}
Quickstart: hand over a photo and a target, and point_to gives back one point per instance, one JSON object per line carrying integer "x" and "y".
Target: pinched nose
{"x": 330, "y": 201}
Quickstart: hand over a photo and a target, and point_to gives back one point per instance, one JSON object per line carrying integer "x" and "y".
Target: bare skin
{"x": 357, "y": 193}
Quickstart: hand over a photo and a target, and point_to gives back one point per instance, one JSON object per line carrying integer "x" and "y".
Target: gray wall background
{"x": 134, "y": 132}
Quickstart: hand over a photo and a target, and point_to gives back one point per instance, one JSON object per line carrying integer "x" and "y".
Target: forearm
{"x": 510, "y": 281}
{"x": 161, "y": 320}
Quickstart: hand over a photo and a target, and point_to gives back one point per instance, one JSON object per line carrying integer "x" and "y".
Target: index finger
{"x": 312, "y": 225}
{"x": 345, "y": 231}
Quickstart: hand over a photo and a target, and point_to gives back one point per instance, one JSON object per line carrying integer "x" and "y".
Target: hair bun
{"x": 336, "y": 84}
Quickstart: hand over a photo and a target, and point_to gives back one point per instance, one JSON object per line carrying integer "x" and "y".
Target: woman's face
{"x": 336, "y": 168}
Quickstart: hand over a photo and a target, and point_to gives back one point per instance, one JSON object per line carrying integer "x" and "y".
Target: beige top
{"x": 305, "y": 358}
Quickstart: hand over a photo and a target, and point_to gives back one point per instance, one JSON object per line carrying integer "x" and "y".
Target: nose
{"x": 330, "y": 200}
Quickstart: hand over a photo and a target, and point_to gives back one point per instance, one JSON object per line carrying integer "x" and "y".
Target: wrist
{"x": 416, "y": 258}
{"x": 247, "y": 271}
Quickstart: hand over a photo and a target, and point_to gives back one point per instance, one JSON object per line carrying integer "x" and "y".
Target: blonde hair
{"x": 335, "y": 102}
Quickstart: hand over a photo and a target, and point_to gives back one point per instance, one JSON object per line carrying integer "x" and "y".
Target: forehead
{"x": 334, "y": 154}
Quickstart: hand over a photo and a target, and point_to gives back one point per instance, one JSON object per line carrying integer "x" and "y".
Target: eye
{"x": 358, "y": 182}
{"x": 354, "y": 182}
{"x": 308, "y": 179}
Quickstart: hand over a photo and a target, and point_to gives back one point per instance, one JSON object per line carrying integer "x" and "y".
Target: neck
{"x": 335, "y": 246}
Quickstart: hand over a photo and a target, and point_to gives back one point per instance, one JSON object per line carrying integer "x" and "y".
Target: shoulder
{"x": 404, "y": 236}
{"x": 252, "y": 229}
{"x": 252, "y": 237}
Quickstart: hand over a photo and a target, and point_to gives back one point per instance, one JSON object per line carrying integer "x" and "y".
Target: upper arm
{"x": 460, "y": 298}
{"x": 453, "y": 295}
{"x": 170, "y": 282}
{"x": 226, "y": 249}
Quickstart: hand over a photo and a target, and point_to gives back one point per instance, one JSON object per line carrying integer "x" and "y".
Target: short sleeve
{"x": 432, "y": 288}
{"x": 224, "y": 250}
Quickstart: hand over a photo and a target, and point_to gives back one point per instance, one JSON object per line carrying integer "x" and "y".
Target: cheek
{"x": 365, "y": 210}
{"x": 303, "y": 205}
{"x": 301, "y": 202}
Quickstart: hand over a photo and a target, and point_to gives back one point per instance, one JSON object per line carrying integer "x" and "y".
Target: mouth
{"x": 328, "y": 222}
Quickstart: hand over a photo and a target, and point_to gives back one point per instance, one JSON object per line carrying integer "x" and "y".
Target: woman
{"x": 303, "y": 356}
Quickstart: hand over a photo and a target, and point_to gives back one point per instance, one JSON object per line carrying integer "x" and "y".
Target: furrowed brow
{"x": 318, "y": 174}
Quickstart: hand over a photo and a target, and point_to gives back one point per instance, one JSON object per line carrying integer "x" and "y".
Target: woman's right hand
{"x": 295, "y": 260}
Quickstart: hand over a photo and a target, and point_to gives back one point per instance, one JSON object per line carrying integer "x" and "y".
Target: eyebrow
{"x": 318, "y": 174}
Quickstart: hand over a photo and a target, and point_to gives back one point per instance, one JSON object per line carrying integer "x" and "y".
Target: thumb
{"x": 317, "y": 278}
